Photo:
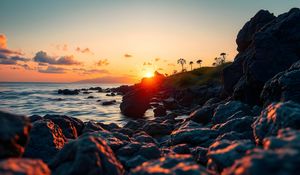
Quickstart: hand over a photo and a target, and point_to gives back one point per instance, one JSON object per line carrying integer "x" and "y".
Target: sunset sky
{"x": 117, "y": 40}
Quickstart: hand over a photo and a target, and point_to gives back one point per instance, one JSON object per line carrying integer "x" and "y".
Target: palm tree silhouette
{"x": 199, "y": 62}
{"x": 181, "y": 61}
{"x": 191, "y": 63}
{"x": 223, "y": 55}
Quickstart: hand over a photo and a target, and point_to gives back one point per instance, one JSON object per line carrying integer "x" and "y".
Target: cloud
{"x": 171, "y": 64}
{"x": 103, "y": 62}
{"x": 160, "y": 69}
{"x": 157, "y": 59}
{"x": 3, "y": 41}
{"x": 53, "y": 70}
{"x": 90, "y": 71}
{"x": 8, "y": 56}
{"x": 43, "y": 57}
{"x": 26, "y": 67}
{"x": 86, "y": 50}
{"x": 147, "y": 64}
{"x": 127, "y": 55}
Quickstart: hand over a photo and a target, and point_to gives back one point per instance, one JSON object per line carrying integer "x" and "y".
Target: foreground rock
{"x": 275, "y": 117}
{"x": 14, "y": 132}
{"x": 284, "y": 86}
{"x": 46, "y": 139}
{"x": 267, "y": 45}
{"x": 15, "y": 166}
{"x": 173, "y": 164}
{"x": 88, "y": 155}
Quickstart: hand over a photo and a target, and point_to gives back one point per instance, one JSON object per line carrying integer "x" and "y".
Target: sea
{"x": 42, "y": 98}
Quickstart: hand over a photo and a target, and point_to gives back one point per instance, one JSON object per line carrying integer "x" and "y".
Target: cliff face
{"x": 267, "y": 45}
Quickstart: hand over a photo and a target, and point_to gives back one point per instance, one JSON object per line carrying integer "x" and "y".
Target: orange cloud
{"x": 3, "y": 41}
{"x": 103, "y": 62}
{"x": 147, "y": 64}
{"x": 86, "y": 50}
{"x": 43, "y": 57}
{"x": 157, "y": 59}
{"x": 128, "y": 55}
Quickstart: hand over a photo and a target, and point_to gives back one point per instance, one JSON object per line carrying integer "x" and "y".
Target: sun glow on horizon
{"x": 149, "y": 74}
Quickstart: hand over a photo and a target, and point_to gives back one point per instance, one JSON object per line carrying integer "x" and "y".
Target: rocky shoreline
{"x": 249, "y": 124}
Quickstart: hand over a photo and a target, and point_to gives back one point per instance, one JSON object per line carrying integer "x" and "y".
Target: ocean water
{"x": 42, "y": 98}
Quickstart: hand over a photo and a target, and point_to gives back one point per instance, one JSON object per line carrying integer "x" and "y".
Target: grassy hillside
{"x": 196, "y": 77}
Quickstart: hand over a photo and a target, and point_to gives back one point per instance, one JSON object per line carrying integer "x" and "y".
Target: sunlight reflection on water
{"x": 42, "y": 98}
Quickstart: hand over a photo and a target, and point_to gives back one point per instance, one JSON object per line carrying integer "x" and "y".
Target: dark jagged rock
{"x": 109, "y": 102}
{"x": 199, "y": 153}
{"x": 286, "y": 138}
{"x": 14, "y": 132}
{"x": 129, "y": 149}
{"x": 240, "y": 125}
{"x": 170, "y": 103}
{"x": 135, "y": 103}
{"x": 113, "y": 140}
{"x": 149, "y": 151}
{"x": 68, "y": 92}
{"x": 170, "y": 165}
{"x": 274, "y": 117}
{"x": 267, "y": 162}
{"x": 225, "y": 111}
{"x": 193, "y": 135}
{"x": 92, "y": 126}
{"x": 202, "y": 115}
{"x": 143, "y": 137}
{"x": 159, "y": 111}
{"x": 88, "y": 155}
{"x": 222, "y": 154}
{"x": 65, "y": 123}
{"x": 272, "y": 48}
{"x": 181, "y": 149}
{"x": 34, "y": 118}
{"x": 14, "y": 166}
{"x": 90, "y": 97}
{"x": 245, "y": 35}
{"x": 157, "y": 129}
{"x": 46, "y": 139}
{"x": 284, "y": 86}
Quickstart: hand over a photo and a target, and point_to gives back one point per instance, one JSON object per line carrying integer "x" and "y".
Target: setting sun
{"x": 149, "y": 74}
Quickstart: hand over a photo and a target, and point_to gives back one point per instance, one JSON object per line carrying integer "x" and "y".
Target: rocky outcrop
{"x": 46, "y": 139}
{"x": 68, "y": 92}
{"x": 66, "y": 124}
{"x": 14, "y": 166}
{"x": 283, "y": 87}
{"x": 135, "y": 103}
{"x": 14, "y": 132}
{"x": 88, "y": 155}
{"x": 170, "y": 165}
{"x": 267, "y": 46}
{"x": 275, "y": 117}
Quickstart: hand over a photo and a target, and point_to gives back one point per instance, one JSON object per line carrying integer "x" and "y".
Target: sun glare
{"x": 149, "y": 74}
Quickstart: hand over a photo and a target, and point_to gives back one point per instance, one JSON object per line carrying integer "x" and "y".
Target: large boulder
{"x": 272, "y": 48}
{"x": 46, "y": 139}
{"x": 67, "y": 124}
{"x": 14, "y": 131}
{"x": 276, "y": 116}
{"x": 284, "y": 86}
{"x": 172, "y": 164}
{"x": 267, "y": 162}
{"x": 88, "y": 155}
{"x": 136, "y": 102}
{"x": 68, "y": 92}
{"x": 226, "y": 111}
{"x": 14, "y": 166}
{"x": 193, "y": 133}
{"x": 222, "y": 154}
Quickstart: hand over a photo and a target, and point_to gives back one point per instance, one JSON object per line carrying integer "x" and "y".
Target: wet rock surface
{"x": 87, "y": 155}
{"x": 14, "y": 166}
{"x": 46, "y": 139}
{"x": 14, "y": 133}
